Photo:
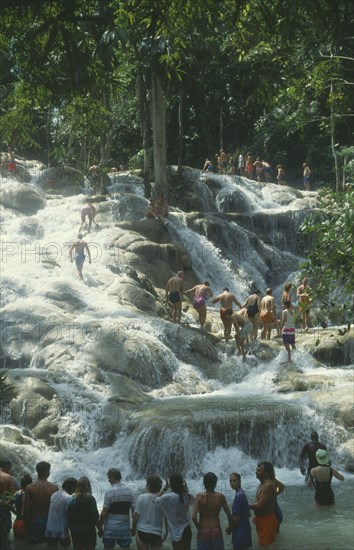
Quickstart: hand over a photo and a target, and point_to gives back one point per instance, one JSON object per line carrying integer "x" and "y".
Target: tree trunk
{"x": 221, "y": 127}
{"x": 180, "y": 132}
{"x": 158, "y": 115}
{"x": 143, "y": 104}
{"x": 333, "y": 146}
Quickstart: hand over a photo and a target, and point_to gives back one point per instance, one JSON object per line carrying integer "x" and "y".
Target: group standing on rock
{"x": 256, "y": 311}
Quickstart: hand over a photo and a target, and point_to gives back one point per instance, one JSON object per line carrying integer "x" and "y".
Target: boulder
{"x": 21, "y": 197}
{"x": 64, "y": 178}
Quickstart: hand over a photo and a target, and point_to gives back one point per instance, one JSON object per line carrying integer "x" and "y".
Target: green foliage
{"x": 330, "y": 261}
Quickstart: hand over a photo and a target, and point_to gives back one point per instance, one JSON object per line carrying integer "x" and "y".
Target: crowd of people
{"x": 252, "y": 168}
{"x": 61, "y": 516}
{"x": 256, "y": 312}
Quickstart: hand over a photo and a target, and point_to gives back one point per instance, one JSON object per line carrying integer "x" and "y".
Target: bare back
{"x": 209, "y": 505}
{"x": 175, "y": 283}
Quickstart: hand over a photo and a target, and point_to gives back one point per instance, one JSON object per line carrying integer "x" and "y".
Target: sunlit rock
{"x": 21, "y": 197}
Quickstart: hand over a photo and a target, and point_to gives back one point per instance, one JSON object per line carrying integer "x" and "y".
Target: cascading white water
{"x": 224, "y": 421}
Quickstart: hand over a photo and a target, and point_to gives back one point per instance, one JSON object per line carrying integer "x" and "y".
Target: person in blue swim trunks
{"x": 80, "y": 246}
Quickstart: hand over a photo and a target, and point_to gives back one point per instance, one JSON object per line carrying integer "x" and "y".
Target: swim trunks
{"x": 149, "y": 538}
{"x": 252, "y": 310}
{"x": 289, "y": 337}
{"x": 246, "y": 330}
{"x": 225, "y": 313}
{"x": 267, "y": 318}
{"x": 210, "y": 539}
{"x": 266, "y": 529}
{"x": 174, "y": 297}
{"x": 79, "y": 259}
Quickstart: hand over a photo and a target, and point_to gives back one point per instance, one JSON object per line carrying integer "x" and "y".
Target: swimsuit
{"x": 224, "y": 313}
{"x": 210, "y": 539}
{"x": 267, "y": 317}
{"x": 252, "y": 310}
{"x": 323, "y": 491}
{"x": 79, "y": 259}
{"x": 288, "y": 331}
{"x": 246, "y": 330}
{"x": 174, "y": 296}
{"x": 266, "y": 529}
{"x": 199, "y": 299}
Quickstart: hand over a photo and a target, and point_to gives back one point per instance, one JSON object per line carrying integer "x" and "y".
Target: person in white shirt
{"x": 57, "y": 529}
{"x": 148, "y": 518}
{"x": 175, "y": 506}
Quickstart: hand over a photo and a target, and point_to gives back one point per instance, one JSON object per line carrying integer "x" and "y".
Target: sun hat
{"x": 322, "y": 457}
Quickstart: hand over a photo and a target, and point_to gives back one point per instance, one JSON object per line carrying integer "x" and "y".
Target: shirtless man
{"x": 226, "y": 300}
{"x": 303, "y": 293}
{"x": 36, "y": 503}
{"x": 223, "y": 161}
{"x": 205, "y": 516}
{"x": 7, "y": 485}
{"x": 265, "y": 519}
{"x": 243, "y": 328}
{"x": 174, "y": 289}
{"x": 79, "y": 247}
{"x": 267, "y": 314}
{"x": 90, "y": 211}
{"x": 306, "y": 176}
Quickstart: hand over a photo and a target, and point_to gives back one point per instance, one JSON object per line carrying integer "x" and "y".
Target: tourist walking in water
{"x": 175, "y": 506}
{"x": 252, "y": 305}
{"x": 267, "y": 314}
{"x": 7, "y": 486}
{"x": 321, "y": 478}
{"x": 309, "y": 452}
{"x": 148, "y": 518}
{"x": 174, "y": 289}
{"x": 208, "y": 166}
{"x": 119, "y": 502}
{"x": 80, "y": 246}
{"x": 265, "y": 519}
{"x": 280, "y": 175}
{"x": 306, "y": 176}
{"x": 226, "y": 299}
{"x": 303, "y": 293}
{"x": 206, "y": 512}
{"x": 201, "y": 293}
{"x": 36, "y": 503}
{"x": 83, "y": 516}
{"x": 19, "y": 526}
{"x": 90, "y": 211}
{"x": 57, "y": 529}
{"x": 243, "y": 328}
{"x": 241, "y": 165}
{"x": 240, "y": 526}
{"x": 286, "y": 296}
{"x": 287, "y": 328}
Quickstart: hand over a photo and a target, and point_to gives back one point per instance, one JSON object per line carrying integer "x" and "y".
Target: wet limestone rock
{"x": 64, "y": 178}
{"x": 21, "y": 198}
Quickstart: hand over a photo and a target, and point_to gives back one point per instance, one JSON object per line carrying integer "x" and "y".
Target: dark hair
{"x": 69, "y": 485}
{"x": 314, "y": 436}
{"x": 268, "y": 469}
{"x": 210, "y": 480}
{"x": 235, "y": 474}
{"x": 80, "y": 235}
{"x": 178, "y": 486}
{"x": 25, "y": 480}
{"x": 287, "y": 286}
{"x": 269, "y": 291}
{"x": 154, "y": 483}
{"x": 114, "y": 472}
{"x": 287, "y": 303}
{"x": 206, "y": 283}
{"x": 227, "y": 290}
{"x": 43, "y": 468}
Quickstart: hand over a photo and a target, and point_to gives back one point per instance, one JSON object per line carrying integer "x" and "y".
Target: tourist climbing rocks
{"x": 201, "y": 293}
{"x": 243, "y": 328}
{"x": 90, "y": 211}
{"x": 80, "y": 246}
{"x": 174, "y": 289}
{"x": 226, "y": 300}
{"x": 287, "y": 328}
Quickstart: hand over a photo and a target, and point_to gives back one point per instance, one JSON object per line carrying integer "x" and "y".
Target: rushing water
{"x": 224, "y": 422}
